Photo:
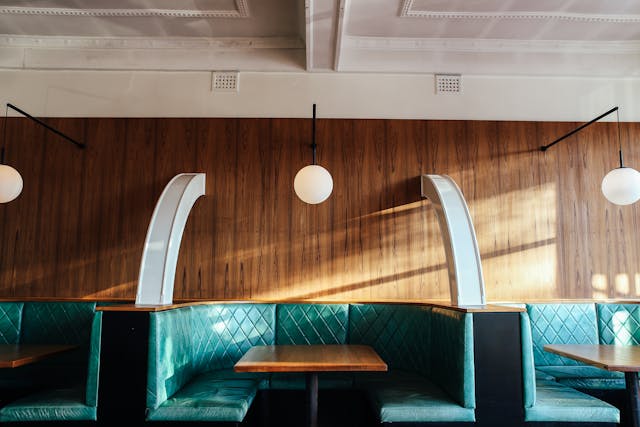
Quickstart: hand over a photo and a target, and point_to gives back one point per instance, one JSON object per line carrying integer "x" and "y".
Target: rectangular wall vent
{"x": 448, "y": 83}
{"x": 225, "y": 81}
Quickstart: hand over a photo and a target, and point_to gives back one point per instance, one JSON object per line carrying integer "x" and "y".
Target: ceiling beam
{"x": 343, "y": 11}
{"x": 322, "y": 19}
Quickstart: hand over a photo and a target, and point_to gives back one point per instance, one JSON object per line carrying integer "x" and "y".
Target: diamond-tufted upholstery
{"x": 312, "y": 323}
{"x": 65, "y": 387}
{"x": 550, "y": 381}
{"x": 192, "y": 352}
{"x": 424, "y": 384}
{"x": 570, "y": 323}
{"x": 619, "y": 323}
{"x": 10, "y": 320}
{"x": 222, "y": 333}
{"x": 561, "y": 324}
{"x": 189, "y": 342}
{"x": 400, "y": 334}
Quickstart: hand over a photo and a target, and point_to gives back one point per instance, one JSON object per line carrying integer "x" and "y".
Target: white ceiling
{"x": 482, "y": 37}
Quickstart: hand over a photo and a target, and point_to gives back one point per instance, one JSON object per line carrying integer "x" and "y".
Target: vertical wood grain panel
{"x": 25, "y": 152}
{"x": 107, "y": 155}
{"x": 68, "y": 206}
{"x": 544, "y": 229}
{"x": 138, "y": 198}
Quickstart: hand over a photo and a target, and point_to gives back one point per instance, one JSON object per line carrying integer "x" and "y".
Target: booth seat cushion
{"x": 261, "y": 378}
{"x": 540, "y": 375}
{"x": 208, "y": 398}
{"x": 50, "y": 405}
{"x": 408, "y": 397}
{"x": 558, "y": 403}
{"x": 585, "y": 377}
{"x": 568, "y": 372}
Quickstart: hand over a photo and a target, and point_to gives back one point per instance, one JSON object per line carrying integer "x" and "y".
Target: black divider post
{"x": 123, "y": 368}
{"x": 498, "y": 369}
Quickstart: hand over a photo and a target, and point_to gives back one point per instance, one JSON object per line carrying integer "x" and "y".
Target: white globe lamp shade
{"x": 10, "y": 183}
{"x": 621, "y": 186}
{"x": 313, "y": 184}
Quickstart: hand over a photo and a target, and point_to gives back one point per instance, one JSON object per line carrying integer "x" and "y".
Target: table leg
{"x": 631, "y": 380}
{"x": 312, "y": 399}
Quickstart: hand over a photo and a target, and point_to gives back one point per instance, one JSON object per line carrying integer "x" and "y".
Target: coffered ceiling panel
{"x": 534, "y": 37}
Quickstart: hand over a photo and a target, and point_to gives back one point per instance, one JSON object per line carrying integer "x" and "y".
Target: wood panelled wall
{"x": 544, "y": 229}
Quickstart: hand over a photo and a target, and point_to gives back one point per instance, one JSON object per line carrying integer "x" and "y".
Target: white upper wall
{"x": 338, "y": 95}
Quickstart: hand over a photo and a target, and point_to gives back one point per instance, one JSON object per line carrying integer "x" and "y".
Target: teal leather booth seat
{"x": 63, "y": 387}
{"x": 581, "y": 323}
{"x": 555, "y": 387}
{"x": 429, "y": 352}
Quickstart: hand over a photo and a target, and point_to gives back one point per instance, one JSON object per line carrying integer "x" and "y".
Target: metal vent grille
{"x": 226, "y": 81}
{"x": 448, "y": 83}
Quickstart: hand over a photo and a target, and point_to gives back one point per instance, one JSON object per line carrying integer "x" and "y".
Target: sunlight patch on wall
{"x": 518, "y": 276}
{"x": 517, "y": 241}
{"x": 622, "y": 284}
{"x": 120, "y": 289}
{"x": 599, "y": 286}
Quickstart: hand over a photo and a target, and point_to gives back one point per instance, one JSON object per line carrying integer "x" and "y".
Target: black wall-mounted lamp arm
{"x": 41, "y": 123}
{"x": 546, "y": 147}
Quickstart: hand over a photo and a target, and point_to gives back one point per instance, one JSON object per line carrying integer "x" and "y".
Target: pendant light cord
{"x": 313, "y": 135}
{"x": 619, "y": 139}
{"x": 4, "y": 134}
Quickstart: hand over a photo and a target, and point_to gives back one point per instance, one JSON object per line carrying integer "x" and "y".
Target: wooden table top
{"x": 14, "y": 355}
{"x": 623, "y": 358}
{"x": 310, "y": 358}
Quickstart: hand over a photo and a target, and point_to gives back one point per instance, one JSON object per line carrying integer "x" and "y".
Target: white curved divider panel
{"x": 161, "y": 247}
{"x": 459, "y": 237}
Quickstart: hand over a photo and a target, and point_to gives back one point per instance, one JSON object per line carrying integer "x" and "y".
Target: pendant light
{"x": 313, "y": 183}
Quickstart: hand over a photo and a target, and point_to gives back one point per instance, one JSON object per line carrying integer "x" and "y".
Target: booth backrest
{"x": 619, "y": 323}
{"x": 10, "y": 321}
{"x": 201, "y": 338}
{"x": 400, "y": 334}
{"x": 312, "y": 323}
{"x": 224, "y": 332}
{"x": 170, "y": 363}
{"x": 452, "y": 356}
{"x": 528, "y": 365}
{"x": 75, "y": 323}
{"x": 434, "y": 342}
{"x": 563, "y": 323}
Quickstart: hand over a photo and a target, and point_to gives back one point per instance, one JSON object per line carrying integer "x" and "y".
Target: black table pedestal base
{"x": 312, "y": 399}
{"x": 631, "y": 380}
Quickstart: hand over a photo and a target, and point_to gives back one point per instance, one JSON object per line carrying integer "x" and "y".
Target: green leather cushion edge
{"x": 407, "y": 397}
{"x": 50, "y": 405}
{"x": 558, "y": 403}
{"x": 208, "y": 399}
